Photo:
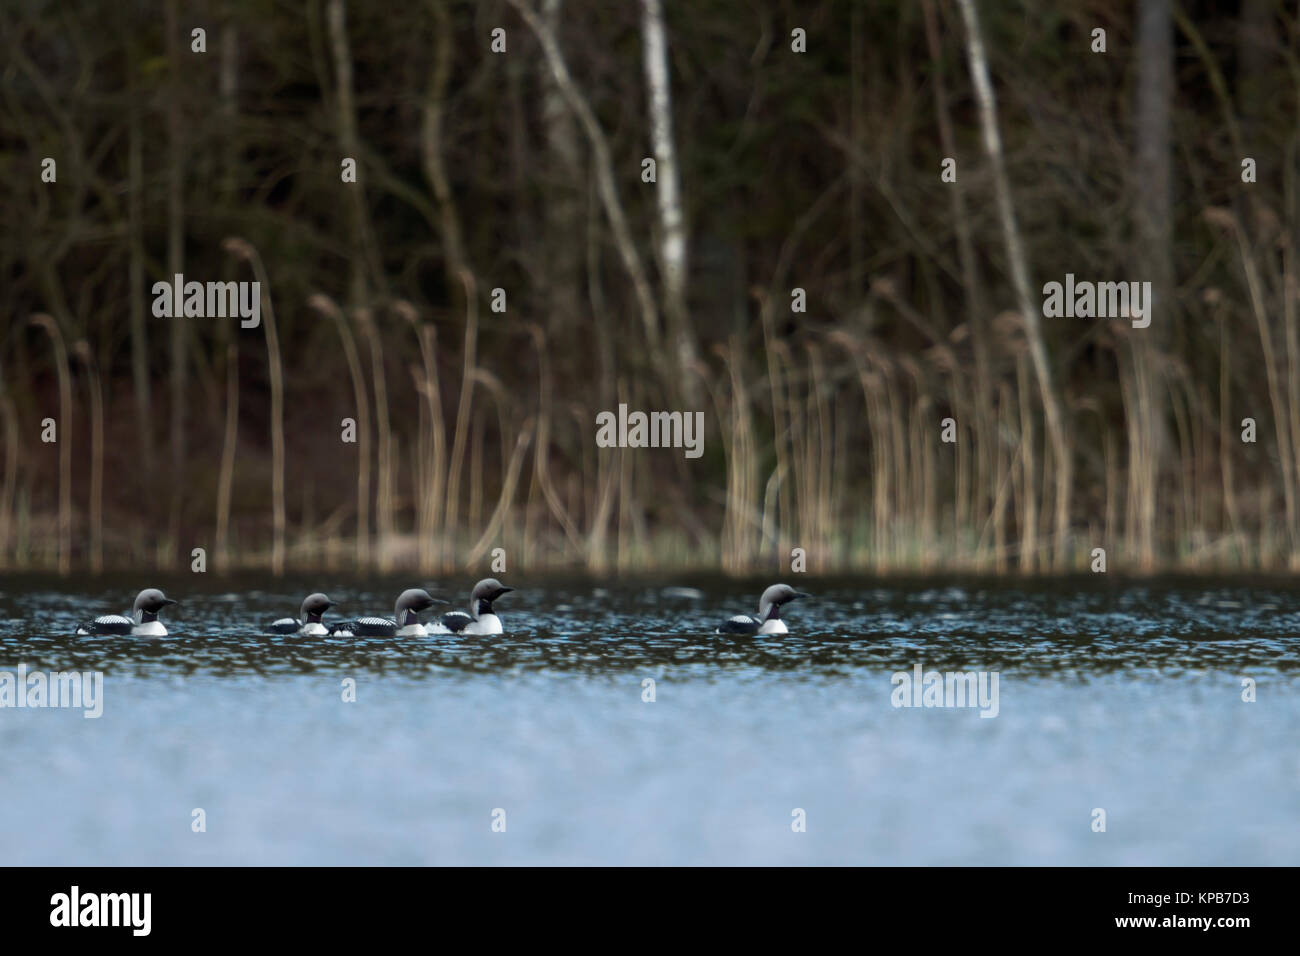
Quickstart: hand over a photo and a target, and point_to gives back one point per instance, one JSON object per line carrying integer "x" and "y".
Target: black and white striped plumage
{"x": 309, "y": 625}
{"x": 142, "y": 622}
{"x": 740, "y": 624}
{"x": 365, "y": 627}
{"x": 768, "y": 620}
{"x": 404, "y": 623}
{"x": 107, "y": 624}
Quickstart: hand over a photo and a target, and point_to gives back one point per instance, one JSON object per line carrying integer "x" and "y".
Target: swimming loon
{"x": 313, "y": 606}
{"x": 405, "y": 623}
{"x": 142, "y": 622}
{"x": 769, "y": 613}
{"x": 481, "y": 619}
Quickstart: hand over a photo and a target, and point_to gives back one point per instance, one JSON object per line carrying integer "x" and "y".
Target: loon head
{"x": 147, "y": 605}
{"x": 313, "y": 606}
{"x": 484, "y": 593}
{"x": 769, "y": 605}
{"x": 411, "y": 602}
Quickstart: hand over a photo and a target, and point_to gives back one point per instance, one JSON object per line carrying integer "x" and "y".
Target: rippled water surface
{"x": 1121, "y": 696}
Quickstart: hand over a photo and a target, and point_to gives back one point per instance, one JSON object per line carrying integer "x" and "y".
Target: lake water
{"x": 1125, "y": 697}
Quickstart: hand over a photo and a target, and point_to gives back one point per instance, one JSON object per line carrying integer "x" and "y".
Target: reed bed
{"x": 834, "y": 448}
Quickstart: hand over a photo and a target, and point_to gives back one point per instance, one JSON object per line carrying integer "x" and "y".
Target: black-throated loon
{"x": 405, "y": 622}
{"x": 769, "y": 613}
{"x": 309, "y": 625}
{"x": 481, "y": 619}
{"x": 142, "y": 622}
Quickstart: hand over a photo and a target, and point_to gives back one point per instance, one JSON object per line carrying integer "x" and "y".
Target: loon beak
{"x": 800, "y": 594}
{"x": 505, "y": 589}
{"x": 167, "y": 601}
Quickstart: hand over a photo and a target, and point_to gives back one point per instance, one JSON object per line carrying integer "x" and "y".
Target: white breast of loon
{"x": 486, "y": 624}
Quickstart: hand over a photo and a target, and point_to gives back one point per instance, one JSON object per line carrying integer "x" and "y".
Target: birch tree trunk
{"x": 1029, "y": 308}
{"x": 672, "y": 224}
{"x": 986, "y": 477}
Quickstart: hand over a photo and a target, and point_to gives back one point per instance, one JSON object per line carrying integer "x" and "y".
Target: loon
{"x": 309, "y": 625}
{"x": 481, "y": 619}
{"x": 142, "y": 622}
{"x": 405, "y": 622}
{"x": 769, "y": 613}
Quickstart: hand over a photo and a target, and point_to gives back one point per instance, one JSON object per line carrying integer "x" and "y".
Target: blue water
{"x": 1123, "y": 697}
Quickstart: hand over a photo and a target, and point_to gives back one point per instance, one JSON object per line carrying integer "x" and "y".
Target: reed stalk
{"x": 64, "y": 437}
{"x": 244, "y": 250}
{"x": 83, "y": 352}
{"x": 226, "y": 475}
{"x": 326, "y": 306}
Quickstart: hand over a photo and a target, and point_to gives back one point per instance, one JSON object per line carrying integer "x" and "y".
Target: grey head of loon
{"x": 769, "y": 605}
{"x": 313, "y": 606}
{"x": 484, "y": 593}
{"x": 410, "y": 603}
{"x": 147, "y": 605}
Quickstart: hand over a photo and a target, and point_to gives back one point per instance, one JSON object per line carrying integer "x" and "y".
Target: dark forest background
{"x": 775, "y": 170}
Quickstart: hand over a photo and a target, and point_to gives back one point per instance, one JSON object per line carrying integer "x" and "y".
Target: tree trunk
{"x": 672, "y": 223}
{"x": 985, "y": 425}
{"x": 1029, "y": 309}
{"x": 336, "y": 18}
{"x": 562, "y": 251}
{"x": 1154, "y": 176}
{"x": 604, "y": 169}
{"x": 175, "y": 265}
{"x": 135, "y": 231}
